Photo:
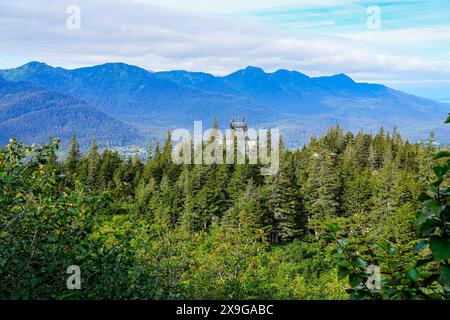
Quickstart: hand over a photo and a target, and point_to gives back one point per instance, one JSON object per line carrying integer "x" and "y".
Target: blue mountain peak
{"x": 247, "y": 73}
{"x": 343, "y": 77}
{"x": 35, "y": 65}
{"x": 284, "y": 73}
{"x": 253, "y": 71}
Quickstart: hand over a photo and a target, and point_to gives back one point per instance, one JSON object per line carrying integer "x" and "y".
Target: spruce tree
{"x": 73, "y": 156}
{"x": 357, "y": 193}
{"x": 284, "y": 203}
{"x": 321, "y": 192}
{"x": 93, "y": 158}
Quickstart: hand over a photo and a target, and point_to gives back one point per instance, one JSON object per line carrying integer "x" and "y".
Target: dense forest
{"x": 156, "y": 230}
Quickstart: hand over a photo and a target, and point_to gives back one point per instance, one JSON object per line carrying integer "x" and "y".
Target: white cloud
{"x": 239, "y": 6}
{"x": 162, "y": 38}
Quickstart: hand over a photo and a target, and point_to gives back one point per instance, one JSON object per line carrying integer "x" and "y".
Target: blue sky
{"x": 350, "y": 16}
{"x": 410, "y": 51}
{"x": 344, "y": 19}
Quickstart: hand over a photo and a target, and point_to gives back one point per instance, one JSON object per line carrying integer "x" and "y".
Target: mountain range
{"x": 122, "y": 104}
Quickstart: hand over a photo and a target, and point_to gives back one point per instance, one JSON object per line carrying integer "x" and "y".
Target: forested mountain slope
{"x": 33, "y": 114}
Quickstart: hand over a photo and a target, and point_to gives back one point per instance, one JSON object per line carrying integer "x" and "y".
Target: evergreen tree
{"x": 169, "y": 204}
{"x": 358, "y": 190}
{"x": 93, "y": 164}
{"x": 191, "y": 218}
{"x": 73, "y": 156}
{"x": 361, "y": 149}
{"x": 321, "y": 192}
{"x": 284, "y": 203}
{"x": 110, "y": 161}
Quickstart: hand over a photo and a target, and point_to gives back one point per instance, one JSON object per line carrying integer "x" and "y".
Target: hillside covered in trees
{"x": 32, "y": 114}
{"x": 156, "y": 230}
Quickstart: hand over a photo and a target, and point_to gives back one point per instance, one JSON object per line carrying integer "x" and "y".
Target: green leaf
{"x": 435, "y": 207}
{"x": 427, "y": 226}
{"x": 342, "y": 262}
{"x": 442, "y": 154}
{"x": 413, "y": 274}
{"x": 343, "y": 272}
{"x": 444, "y": 271}
{"x": 426, "y": 274}
{"x": 420, "y": 245}
{"x": 363, "y": 248}
{"x": 354, "y": 279}
{"x": 392, "y": 250}
{"x": 332, "y": 226}
{"x": 422, "y": 217}
{"x": 359, "y": 262}
{"x": 440, "y": 248}
{"x": 342, "y": 242}
{"x": 424, "y": 197}
{"x": 34, "y": 282}
{"x": 440, "y": 171}
{"x": 448, "y": 119}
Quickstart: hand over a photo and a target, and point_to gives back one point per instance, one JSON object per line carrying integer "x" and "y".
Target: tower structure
{"x": 239, "y": 127}
{"x": 238, "y": 124}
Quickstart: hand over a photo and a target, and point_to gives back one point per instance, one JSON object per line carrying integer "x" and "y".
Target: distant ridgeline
{"x": 123, "y": 105}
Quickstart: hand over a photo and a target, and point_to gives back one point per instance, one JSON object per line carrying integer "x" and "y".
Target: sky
{"x": 404, "y": 44}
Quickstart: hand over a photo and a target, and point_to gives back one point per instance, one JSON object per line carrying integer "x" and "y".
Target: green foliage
{"x": 164, "y": 231}
{"x": 423, "y": 274}
{"x": 45, "y": 228}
